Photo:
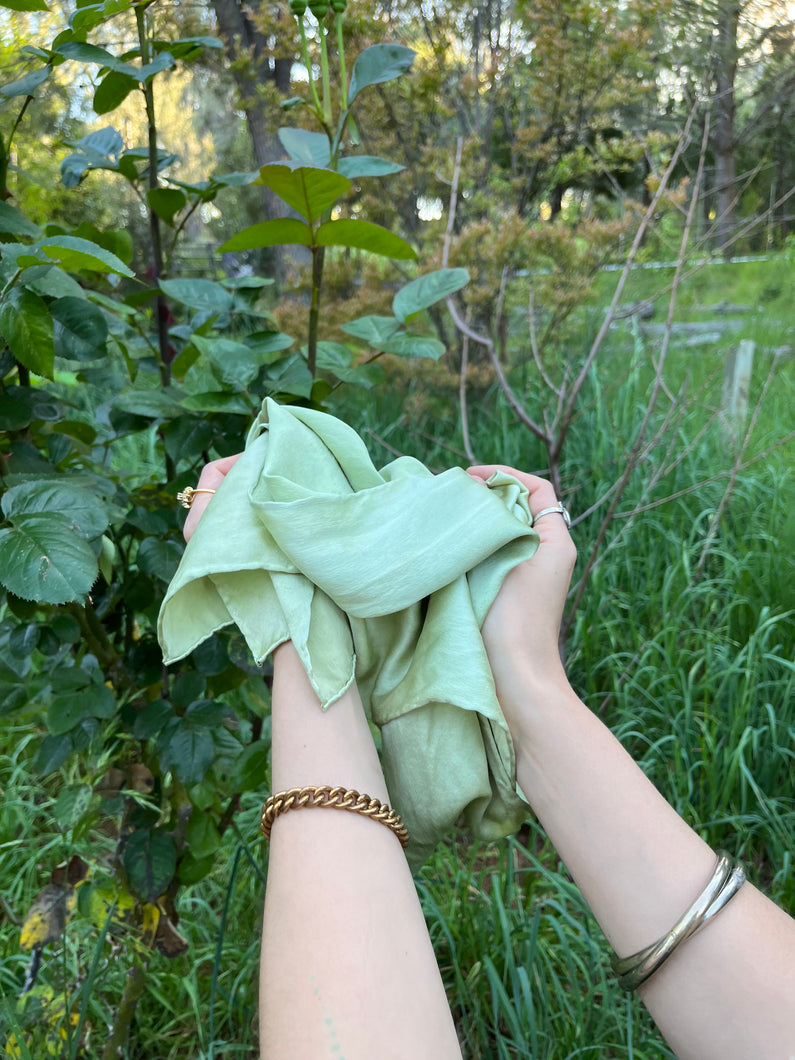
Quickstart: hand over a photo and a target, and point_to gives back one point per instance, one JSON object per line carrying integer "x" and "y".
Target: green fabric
{"x": 385, "y": 576}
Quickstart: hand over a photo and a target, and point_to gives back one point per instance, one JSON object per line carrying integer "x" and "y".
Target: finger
{"x": 213, "y": 474}
{"x": 552, "y": 528}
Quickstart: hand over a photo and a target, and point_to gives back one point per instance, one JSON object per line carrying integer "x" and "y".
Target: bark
{"x": 724, "y": 140}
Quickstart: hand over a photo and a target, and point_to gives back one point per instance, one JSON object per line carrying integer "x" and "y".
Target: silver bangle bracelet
{"x": 727, "y": 878}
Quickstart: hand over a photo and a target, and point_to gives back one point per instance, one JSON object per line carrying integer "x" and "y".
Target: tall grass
{"x": 682, "y": 645}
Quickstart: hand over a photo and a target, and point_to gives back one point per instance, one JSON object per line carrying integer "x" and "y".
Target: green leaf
{"x": 43, "y": 559}
{"x": 27, "y": 327}
{"x": 308, "y": 148}
{"x": 159, "y": 558}
{"x": 374, "y": 330}
{"x": 149, "y": 858}
{"x": 25, "y": 5}
{"x": 106, "y": 141}
{"x": 205, "y": 713}
{"x": 52, "y": 754}
{"x": 166, "y": 202}
{"x": 88, "y": 16}
{"x": 154, "y": 404}
{"x": 333, "y": 357}
{"x": 14, "y": 223}
{"x": 364, "y": 235}
{"x": 65, "y": 712}
{"x": 308, "y": 189}
{"x": 270, "y": 234}
{"x": 112, "y": 91}
{"x": 368, "y": 166}
{"x": 205, "y": 295}
{"x": 424, "y": 291}
{"x": 72, "y": 803}
{"x": 405, "y": 345}
{"x": 290, "y": 376}
{"x": 27, "y": 85}
{"x": 188, "y": 47}
{"x": 81, "y": 329}
{"x": 152, "y": 719}
{"x": 84, "y": 512}
{"x": 251, "y": 767}
{"x": 75, "y": 253}
{"x": 188, "y": 751}
{"x": 90, "y": 53}
{"x": 379, "y": 63}
{"x": 234, "y": 364}
{"x": 212, "y": 401}
{"x": 202, "y": 835}
{"x": 164, "y": 61}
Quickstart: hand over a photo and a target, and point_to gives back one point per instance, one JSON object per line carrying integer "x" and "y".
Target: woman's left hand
{"x": 210, "y": 479}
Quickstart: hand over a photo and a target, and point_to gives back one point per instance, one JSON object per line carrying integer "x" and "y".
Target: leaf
{"x": 202, "y": 835}
{"x": 205, "y": 295}
{"x": 151, "y": 719}
{"x": 364, "y": 235}
{"x": 112, "y": 91}
{"x": 25, "y": 5}
{"x": 291, "y": 376}
{"x": 308, "y": 189}
{"x": 233, "y": 363}
{"x": 406, "y": 345}
{"x": 88, "y": 16}
{"x": 52, "y": 754}
{"x": 150, "y": 860}
{"x": 65, "y": 712}
{"x": 251, "y": 767}
{"x": 15, "y": 223}
{"x": 90, "y": 53}
{"x": 219, "y": 401}
{"x": 160, "y": 559}
{"x": 374, "y": 330}
{"x": 154, "y": 404}
{"x": 43, "y": 559}
{"x": 73, "y": 801}
{"x": 106, "y": 141}
{"x": 424, "y": 291}
{"x": 76, "y": 253}
{"x": 27, "y": 85}
{"x": 84, "y": 512}
{"x": 26, "y": 325}
{"x": 188, "y": 751}
{"x": 164, "y": 61}
{"x": 81, "y": 329}
{"x": 368, "y": 166}
{"x": 166, "y": 202}
{"x": 283, "y": 230}
{"x": 379, "y": 63}
{"x": 308, "y": 148}
{"x": 47, "y": 917}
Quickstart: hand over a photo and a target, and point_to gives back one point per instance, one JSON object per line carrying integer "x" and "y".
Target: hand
{"x": 522, "y": 627}
{"x": 211, "y": 478}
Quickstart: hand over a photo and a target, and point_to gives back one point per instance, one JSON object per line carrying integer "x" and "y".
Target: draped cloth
{"x": 379, "y": 576}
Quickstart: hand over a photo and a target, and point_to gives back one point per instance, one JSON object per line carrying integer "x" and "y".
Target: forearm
{"x": 729, "y": 992}
{"x": 347, "y": 967}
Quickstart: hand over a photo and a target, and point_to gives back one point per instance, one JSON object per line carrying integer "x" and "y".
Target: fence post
{"x": 737, "y": 387}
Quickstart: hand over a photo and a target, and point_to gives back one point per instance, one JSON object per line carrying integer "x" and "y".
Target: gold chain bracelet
{"x": 330, "y": 798}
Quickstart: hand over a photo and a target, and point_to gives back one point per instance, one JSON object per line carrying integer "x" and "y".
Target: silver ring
{"x": 559, "y": 509}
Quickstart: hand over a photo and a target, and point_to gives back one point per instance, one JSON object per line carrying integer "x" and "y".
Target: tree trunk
{"x": 244, "y": 42}
{"x": 724, "y": 143}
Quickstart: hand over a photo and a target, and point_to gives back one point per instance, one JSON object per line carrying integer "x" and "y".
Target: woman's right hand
{"x": 522, "y": 628}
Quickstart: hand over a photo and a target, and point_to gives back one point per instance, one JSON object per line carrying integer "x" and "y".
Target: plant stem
{"x": 154, "y": 220}
{"x": 318, "y": 254}
{"x": 133, "y": 990}
{"x": 324, "y": 73}
{"x": 308, "y": 65}
{"x": 341, "y": 54}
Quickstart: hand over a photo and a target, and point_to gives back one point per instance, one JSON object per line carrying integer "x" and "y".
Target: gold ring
{"x": 187, "y": 496}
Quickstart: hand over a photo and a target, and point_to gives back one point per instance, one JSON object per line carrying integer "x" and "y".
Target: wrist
{"x": 531, "y": 699}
